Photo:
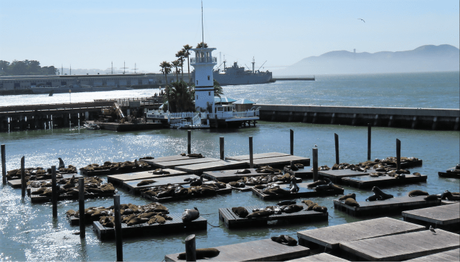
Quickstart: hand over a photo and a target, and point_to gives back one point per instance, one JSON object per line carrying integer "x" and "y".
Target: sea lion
{"x": 352, "y": 195}
{"x": 261, "y": 213}
{"x": 319, "y": 208}
{"x": 196, "y": 155}
{"x": 146, "y": 182}
{"x": 243, "y": 171}
{"x": 351, "y": 202}
{"x": 201, "y": 253}
{"x": 294, "y": 188}
{"x": 61, "y": 163}
{"x": 292, "y": 208}
{"x": 240, "y": 211}
{"x": 381, "y": 195}
{"x": 190, "y": 214}
{"x": 431, "y": 198}
{"x": 285, "y": 240}
{"x": 417, "y": 193}
{"x": 372, "y": 198}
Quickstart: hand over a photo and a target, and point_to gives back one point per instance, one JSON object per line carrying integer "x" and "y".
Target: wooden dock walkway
{"x": 389, "y": 206}
{"x": 231, "y": 220}
{"x": 451, "y": 255}
{"x": 259, "y": 250}
{"x": 273, "y": 159}
{"x": 16, "y": 183}
{"x": 304, "y": 191}
{"x": 120, "y": 179}
{"x": 446, "y": 217}
{"x": 132, "y": 185}
{"x": 321, "y": 257}
{"x": 331, "y": 237}
{"x": 171, "y": 226}
{"x": 212, "y": 165}
{"x": 402, "y": 246}
{"x": 336, "y": 176}
{"x": 381, "y": 181}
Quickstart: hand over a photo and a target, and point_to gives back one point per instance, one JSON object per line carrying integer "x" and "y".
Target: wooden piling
{"x": 221, "y": 142}
{"x": 336, "y": 139}
{"x": 118, "y": 233}
{"x": 292, "y": 142}
{"x": 251, "y": 156}
{"x": 315, "y": 163}
{"x": 55, "y": 192}
{"x": 368, "y": 141}
{"x": 81, "y": 199}
{"x": 398, "y": 154}
{"x": 3, "y": 165}
{"x": 189, "y": 142}
{"x": 23, "y": 179}
{"x": 190, "y": 248}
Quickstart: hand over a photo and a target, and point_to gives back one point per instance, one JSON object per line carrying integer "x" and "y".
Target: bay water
{"x": 29, "y": 232}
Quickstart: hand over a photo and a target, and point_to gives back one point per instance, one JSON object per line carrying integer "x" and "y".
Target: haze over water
{"x": 28, "y": 231}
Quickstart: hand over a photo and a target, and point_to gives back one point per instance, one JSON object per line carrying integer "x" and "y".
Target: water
{"x": 29, "y": 233}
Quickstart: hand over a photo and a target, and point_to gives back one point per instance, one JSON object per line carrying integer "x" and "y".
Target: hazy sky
{"x": 93, "y": 33}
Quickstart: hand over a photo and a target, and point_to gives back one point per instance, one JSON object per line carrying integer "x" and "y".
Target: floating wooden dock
{"x": 321, "y": 257}
{"x": 16, "y": 183}
{"x": 331, "y": 237}
{"x": 381, "y": 181}
{"x": 171, "y": 226}
{"x": 231, "y": 220}
{"x": 122, "y": 178}
{"x": 211, "y": 165}
{"x": 304, "y": 192}
{"x": 259, "y": 250}
{"x": 402, "y": 246}
{"x": 336, "y": 176}
{"x": 452, "y": 172}
{"x": 43, "y": 199}
{"x": 233, "y": 175}
{"x": 273, "y": 159}
{"x": 451, "y": 255}
{"x": 446, "y": 217}
{"x": 131, "y": 185}
{"x": 389, "y": 206}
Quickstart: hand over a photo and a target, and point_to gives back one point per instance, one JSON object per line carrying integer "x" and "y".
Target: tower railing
{"x": 197, "y": 60}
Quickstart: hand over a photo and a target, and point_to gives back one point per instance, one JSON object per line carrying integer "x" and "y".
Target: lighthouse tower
{"x": 204, "y": 62}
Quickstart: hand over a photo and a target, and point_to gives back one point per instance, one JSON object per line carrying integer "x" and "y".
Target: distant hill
{"x": 427, "y": 58}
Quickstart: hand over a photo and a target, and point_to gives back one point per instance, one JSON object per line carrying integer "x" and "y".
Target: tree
{"x": 186, "y": 50}
{"x": 180, "y": 57}
{"x": 176, "y": 65}
{"x": 4, "y": 67}
{"x": 218, "y": 91}
{"x": 165, "y": 69}
{"x": 180, "y": 97}
{"x": 202, "y": 45}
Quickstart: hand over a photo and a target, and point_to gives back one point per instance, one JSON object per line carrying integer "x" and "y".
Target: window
{"x": 209, "y": 78}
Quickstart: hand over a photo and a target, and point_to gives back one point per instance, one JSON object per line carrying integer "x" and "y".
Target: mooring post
{"x": 23, "y": 178}
{"x": 292, "y": 142}
{"x": 3, "y": 165}
{"x": 189, "y": 142}
{"x": 251, "y": 157}
{"x": 55, "y": 190}
{"x": 190, "y": 248}
{"x": 368, "y": 141}
{"x": 398, "y": 154}
{"x": 315, "y": 163}
{"x": 81, "y": 199}
{"x": 336, "y": 139}
{"x": 118, "y": 233}
{"x": 221, "y": 142}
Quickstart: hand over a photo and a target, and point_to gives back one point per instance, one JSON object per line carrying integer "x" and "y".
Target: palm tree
{"x": 186, "y": 50}
{"x": 202, "y": 45}
{"x": 165, "y": 69}
{"x": 181, "y": 98}
{"x": 180, "y": 57}
{"x": 176, "y": 64}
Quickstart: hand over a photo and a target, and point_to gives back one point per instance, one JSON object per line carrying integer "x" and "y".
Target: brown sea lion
{"x": 202, "y": 253}
{"x": 292, "y": 208}
{"x": 351, "y": 202}
{"x": 243, "y": 171}
{"x": 285, "y": 240}
{"x": 352, "y": 195}
{"x": 240, "y": 211}
{"x": 431, "y": 198}
{"x": 260, "y": 213}
{"x": 190, "y": 214}
{"x": 146, "y": 182}
{"x": 417, "y": 193}
{"x": 319, "y": 208}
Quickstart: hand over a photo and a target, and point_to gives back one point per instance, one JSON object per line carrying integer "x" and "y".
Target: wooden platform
{"x": 211, "y": 165}
{"x": 131, "y": 185}
{"x": 220, "y": 191}
{"x": 321, "y": 257}
{"x": 390, "y": 206}
{"x": 336, "y": 176}
{"x": 104, "y": 172}
{"x": 259, "y": 250}
{"x": 273, "y": 159}
{"x": 16, "y": 183}
{"x": 171, "y": 226}
{"x": 120, "y": 179}
{"x": 446, "y": 217}
{"x": 451, "y": 255}
{"x": 402, "y": 246}
{"x": 231, "y": 220}
{"x": 381, "y": 181}
{"x": 450, "y": 173}
{"x": 330, "y": 237}
{"x": 304, "y": 192}
{"x": 42, "y": 199}
{"x": 232, "y": 175}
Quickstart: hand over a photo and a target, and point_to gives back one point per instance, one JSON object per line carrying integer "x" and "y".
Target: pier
{"x": 415, "y": 118}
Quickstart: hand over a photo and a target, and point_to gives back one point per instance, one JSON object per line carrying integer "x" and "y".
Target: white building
{"x": 204, "y": 62}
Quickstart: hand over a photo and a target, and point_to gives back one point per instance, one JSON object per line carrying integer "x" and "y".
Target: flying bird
{"x": 362, "y": 20}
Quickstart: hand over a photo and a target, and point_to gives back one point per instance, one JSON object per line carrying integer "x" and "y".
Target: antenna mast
{"x": 202, "y": 26}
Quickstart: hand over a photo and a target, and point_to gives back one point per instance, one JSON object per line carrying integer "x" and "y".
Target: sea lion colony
{"x": 130, "y": 214}
{"x": 69, "y": 186}
{"x": 115, "y": 166}
{"x": 39, "y": 173}
{"x": 175, "y": 190}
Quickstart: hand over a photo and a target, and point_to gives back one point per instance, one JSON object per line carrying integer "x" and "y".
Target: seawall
{"x": 415, "y": 118}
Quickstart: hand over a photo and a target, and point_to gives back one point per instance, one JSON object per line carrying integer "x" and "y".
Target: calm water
{"x": 28, "y": 231}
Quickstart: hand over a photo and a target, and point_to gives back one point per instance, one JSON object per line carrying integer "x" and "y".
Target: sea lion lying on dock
{"x": 352, "y": 195}
{"x": 243, "y": 171}
{"x": 261, "y": 213}
{"x": 291, "y": 208}
{"x": 240, "y": 211}
{"x": 285, "y": 240}
{"x": 201, "y": 253}
{"x": 431, "y": 197}
{"x": 351, "y": 202}
{"x": 417, "y": 193}
{"x": 450, "y": 196}
{"x": 190, "y": 214}
{"x": 314, "y": 206}
{"x": 146, "y": 182}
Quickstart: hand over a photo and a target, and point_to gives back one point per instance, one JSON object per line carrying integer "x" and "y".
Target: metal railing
{"x": 196, "y": 60}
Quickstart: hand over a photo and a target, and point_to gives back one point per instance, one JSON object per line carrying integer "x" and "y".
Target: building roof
{"x": 243, "y": 101}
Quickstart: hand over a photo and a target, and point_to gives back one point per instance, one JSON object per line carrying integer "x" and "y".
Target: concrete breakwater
{"x": 415, "y": 118}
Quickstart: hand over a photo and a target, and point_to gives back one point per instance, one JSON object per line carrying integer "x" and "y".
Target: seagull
{"x": 432, "y": 229}
{"x": 362, "y": 20}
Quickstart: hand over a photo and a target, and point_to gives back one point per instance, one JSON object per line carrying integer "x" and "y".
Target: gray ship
{"x": 236, "y": 75}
